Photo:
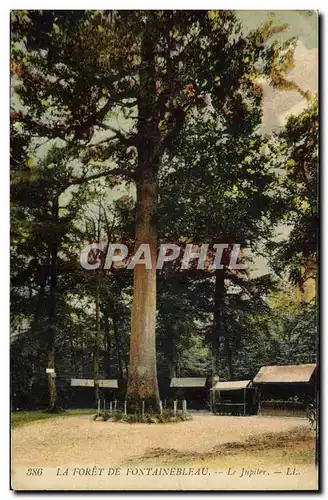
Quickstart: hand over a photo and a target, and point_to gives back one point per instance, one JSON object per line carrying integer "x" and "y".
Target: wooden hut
{"x": 236, "y": 397}
{"x": 83, "y": 395}
{"x": 192, "y": 389}
{"x": 286, "y": 389}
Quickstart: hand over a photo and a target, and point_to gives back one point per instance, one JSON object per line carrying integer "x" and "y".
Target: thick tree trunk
{"x": 142, "y": 379}
{"x": 217, "y": 321}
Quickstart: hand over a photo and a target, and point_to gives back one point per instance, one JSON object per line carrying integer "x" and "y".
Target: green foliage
{"x": 79, "y": 69}
{"x": 284, "y": 334}
{"x": 229, "y": 199}
{"x": 230, "y": 184}
{"x": 297, "y": 157}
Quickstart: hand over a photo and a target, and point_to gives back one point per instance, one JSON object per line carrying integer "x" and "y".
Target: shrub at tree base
{"x": 147, "y": 418}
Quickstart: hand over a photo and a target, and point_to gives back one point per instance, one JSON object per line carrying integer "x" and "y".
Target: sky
{"x": 278, "y": 105}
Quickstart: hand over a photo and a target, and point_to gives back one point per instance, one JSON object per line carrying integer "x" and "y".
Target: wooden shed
{"x": 234, "y": 397}
{"x": 286, "y": 389}
{"x": 83, "y": 394}
{"x": 192, "y": 389}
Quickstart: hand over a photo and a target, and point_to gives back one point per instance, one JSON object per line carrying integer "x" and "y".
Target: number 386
{"x": 34, "y": 472}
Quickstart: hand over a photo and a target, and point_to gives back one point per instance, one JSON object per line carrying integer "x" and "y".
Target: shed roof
{"x": 109, "y": 384}
{"x": 284, "y": 374}
{"x": 84, "y": 382}
{"x": 188, "y": 382}
{"x": 231, "y": 385}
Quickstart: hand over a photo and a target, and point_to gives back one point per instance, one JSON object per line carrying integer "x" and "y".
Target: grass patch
{"x": 19, "y": 418}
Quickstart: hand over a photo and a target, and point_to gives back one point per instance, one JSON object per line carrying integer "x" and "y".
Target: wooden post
{"x": 115, "y": 404}
{"x": 125, "y": 407}
{"x": 143, "y": 407}
{"x": 175, "y": 406}
{"x": 184, "y": 406}
{"x": 111, "y": 407}
{"x": 104, "y": 404}
{"x": 98, "y": 407}
{"x": 161, "y": 407}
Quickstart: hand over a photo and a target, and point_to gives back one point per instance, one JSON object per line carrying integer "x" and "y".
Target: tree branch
{"x": 82, "y": 180}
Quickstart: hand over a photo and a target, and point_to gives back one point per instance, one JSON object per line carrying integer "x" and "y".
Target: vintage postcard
{"x": 164, "y": 239}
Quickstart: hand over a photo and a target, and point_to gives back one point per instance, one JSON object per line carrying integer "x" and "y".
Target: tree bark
{"x": 142, "y": 379}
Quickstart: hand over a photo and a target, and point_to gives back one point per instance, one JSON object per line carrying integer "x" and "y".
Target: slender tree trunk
{"x": 52, "y": 307}
{"x": 172, "y": 355}
{"x": 96, "y": 346}
{"x": 41, "y": 293}
{"x": 228, "y": 353}
{"x": 108, "y": 343}
{"x": 217, "y": 321}
{"x": 172, "y": 370}
{"x": 82, "y": 359}
{"x": 117, "y": 344}
{"x": 53, "y": 408}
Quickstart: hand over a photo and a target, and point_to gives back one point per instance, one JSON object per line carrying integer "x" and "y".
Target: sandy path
{"x": 80, "y": 440}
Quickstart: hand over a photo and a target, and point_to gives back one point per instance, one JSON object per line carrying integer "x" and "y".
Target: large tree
{"x": 78, "y": 70}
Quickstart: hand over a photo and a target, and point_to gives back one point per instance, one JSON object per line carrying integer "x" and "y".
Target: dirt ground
{"x": 219, "y": 443}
